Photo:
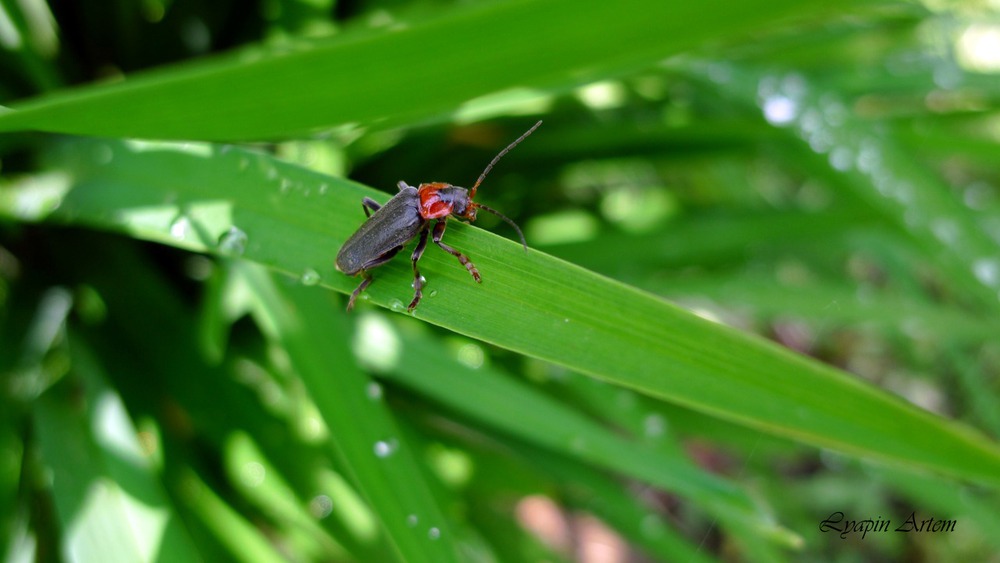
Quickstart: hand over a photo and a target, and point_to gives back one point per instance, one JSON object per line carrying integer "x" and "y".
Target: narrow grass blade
{"x": 363, "y": 432}
{"x": 309, "y": 86}
{"x": 108, "y": 497}
{"x": 515, "y": 408}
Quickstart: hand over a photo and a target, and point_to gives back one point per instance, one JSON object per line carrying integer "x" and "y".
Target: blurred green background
{"x": 763, "y": 285}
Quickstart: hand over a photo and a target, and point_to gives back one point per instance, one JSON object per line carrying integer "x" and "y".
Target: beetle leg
{"x": 418, "y": 282}
{"x": 364, "y": 285}
{"x": 385, "y": 257}
{"x": 369, "y": 203}
{"x": 438, "y": 233}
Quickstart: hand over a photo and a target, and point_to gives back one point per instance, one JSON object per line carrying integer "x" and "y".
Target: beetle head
{"x": 439, "y": 199}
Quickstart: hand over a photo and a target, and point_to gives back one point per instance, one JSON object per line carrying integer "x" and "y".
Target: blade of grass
{"x": 166, "y": 379}
{"x": 240, "y": 537}
{"x": 498, "y": 401}
{"x": 832, "y": 304}
{"x": 274, "y": 496}
{"x": 10, "y": 469}
{"x": 107, "y": 493}
{"x": 365, "y": 434}
{"x": 292, "y": 91}
{"x": 870, "y": 162}
{"x": 294, "y": 221}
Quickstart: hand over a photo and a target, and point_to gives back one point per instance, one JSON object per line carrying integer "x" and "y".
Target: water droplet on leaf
{"x": 309, "y": 277}
{"x": 233, "y": 242}
{"x": 180, "y": 227}
{"x": 385, "y": 448}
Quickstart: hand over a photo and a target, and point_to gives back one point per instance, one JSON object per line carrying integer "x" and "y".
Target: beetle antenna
{"x": 472, "y": 191}
{"x": 505, "y": 218}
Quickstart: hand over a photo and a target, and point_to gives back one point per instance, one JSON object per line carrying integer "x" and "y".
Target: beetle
{"x": 409, "y": 214}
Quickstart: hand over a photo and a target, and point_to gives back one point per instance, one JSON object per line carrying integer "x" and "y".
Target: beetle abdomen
{"x": 392, "y": 225}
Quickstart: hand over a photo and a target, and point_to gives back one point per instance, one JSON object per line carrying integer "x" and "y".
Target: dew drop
{"x": 780, "y": 110}
{"x": 625, "y": 399}
{"x": 309, "y": 277}
{"x": 320, "y": 506}
{"x": 883, "y": 182}
{"x": 180, "y": 227}
{"x": 841, "y": 159}
{"x": 821, "y": 141}
{"x": 374, "y": 391}
{"x": 433, "y": 293}
{"x": 834, "y": 112}
{"x": 434, "y": 533}
{"x": 812, "y": 126}
{"x": 987, "y": 271}
{"x": 904, "y": 193}
{"x": 978, "y": 195}
{"x": 423, "y": 280}
{"x": 233, "y": 242}
{"x": 471, "y": 355}
{"x": 654, "y": 425}
{"x": 412, "y": 520}
{"x": 322, "y": 189}
{"x": 385, "y": 448}
{"x": 397, "y": 305}
{"x": 869, "y": 158}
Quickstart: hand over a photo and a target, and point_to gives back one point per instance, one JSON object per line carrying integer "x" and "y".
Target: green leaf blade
{"x": 342, "y": 80}
{"x": 566, "y": 314}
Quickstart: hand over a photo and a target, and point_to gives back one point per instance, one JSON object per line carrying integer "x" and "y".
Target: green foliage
{"x": 181, "y": 380}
